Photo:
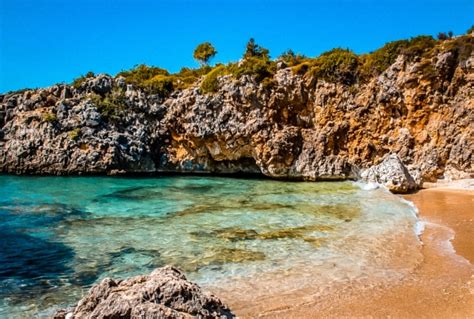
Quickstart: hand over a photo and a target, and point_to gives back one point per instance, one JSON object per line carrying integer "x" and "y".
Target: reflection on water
{"x": 61, "y": 235}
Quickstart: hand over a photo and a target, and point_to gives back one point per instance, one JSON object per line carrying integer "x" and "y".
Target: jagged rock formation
{"x": 165, "y": 293}
{"x": 299, "y": 127}
{"x": 391, "y": 173}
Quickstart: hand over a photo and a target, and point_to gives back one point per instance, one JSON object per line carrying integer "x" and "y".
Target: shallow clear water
{"x": 60, "y": 235}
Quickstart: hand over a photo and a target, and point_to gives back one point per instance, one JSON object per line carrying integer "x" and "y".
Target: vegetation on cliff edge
{"x": 337, "y": 65}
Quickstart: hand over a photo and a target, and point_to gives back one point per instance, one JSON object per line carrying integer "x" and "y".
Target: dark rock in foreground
{"x": 165, "y": 293}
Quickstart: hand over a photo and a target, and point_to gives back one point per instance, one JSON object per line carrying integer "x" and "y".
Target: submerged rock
{"x": 165, "y": 293}
{"x": 392, "y": 174}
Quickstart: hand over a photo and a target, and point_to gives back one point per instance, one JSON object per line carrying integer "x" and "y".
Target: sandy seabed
{"x": 441, "y": 286}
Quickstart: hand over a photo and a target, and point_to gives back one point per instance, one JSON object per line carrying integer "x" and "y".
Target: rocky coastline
{"x": 400, "y": 128}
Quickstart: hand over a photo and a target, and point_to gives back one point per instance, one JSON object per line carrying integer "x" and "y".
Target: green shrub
{"x": 291, "y": 59}
{"x": 462, "y": 47}
{"x": 470, "y": 30}
{"x": 111, "y": 105}
{"x": 151, "y": 79}
{"x": 253, "y": 50}
{"x": 259, "y": 68}
{"x": 196, "y": 73}
{"x": 186, "y": 77}
{"x": 76, "y": 83}
{"x": 338, "y": 65}
{"x": 49, "y": 117}
{"x": 442, "y": 36}
{"x": 159, "y": 84}
{"x": 141, "y": 73}
{"x": 210, "y": 83}
{"x": 155, "y": 80}
{"x": 374, "y": 63}
{"x": 418, "y": 46}
{"x": 301, "y": 68}
{"x": 74, "y": 134}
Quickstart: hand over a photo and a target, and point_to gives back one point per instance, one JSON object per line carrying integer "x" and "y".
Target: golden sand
{"x": 442, "y": 286}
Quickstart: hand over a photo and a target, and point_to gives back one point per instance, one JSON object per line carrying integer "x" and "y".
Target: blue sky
{"x": 43, "y": 42}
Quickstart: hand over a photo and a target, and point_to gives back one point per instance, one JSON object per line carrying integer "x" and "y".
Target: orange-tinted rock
{"x": 301, "y": 127}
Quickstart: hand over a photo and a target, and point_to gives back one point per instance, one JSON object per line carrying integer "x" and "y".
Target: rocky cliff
{"x": 294, "y": 126}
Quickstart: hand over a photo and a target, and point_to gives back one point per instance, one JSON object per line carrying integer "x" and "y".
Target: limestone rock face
{"x": 392, "y": 174}
{"x": 165, "y": 293}
{"x": 300, "y": 127}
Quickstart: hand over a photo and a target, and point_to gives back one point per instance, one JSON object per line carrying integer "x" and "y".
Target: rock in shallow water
{"x": 392, "y": 174}
{"x": 165, "y": 293}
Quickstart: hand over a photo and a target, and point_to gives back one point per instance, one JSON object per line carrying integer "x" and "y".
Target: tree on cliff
{"x": 291, "y": 58}
{"x": 254, "y": 50}
{"x": 204, "y": 52}
{"x": 444, "y": 36}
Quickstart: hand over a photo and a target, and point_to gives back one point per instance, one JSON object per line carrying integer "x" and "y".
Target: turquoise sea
{"x": 60, "y": 235}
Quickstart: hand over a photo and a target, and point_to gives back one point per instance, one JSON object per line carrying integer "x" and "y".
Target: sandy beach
{"x": 442, "y": 286}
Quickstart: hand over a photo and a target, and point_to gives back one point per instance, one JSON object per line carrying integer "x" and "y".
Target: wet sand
{"x": 442, "y": 286}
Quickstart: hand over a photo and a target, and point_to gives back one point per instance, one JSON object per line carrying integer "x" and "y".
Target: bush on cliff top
{"x": 256, "y": 63}
{"x": 462, "y": 47}
{"x": 257, "y": 67}
{"x": 260, "y": 69}
{"x": 291, "y": 58}
{"x": 186, "y": 77}
{"x": 336, "y": 65}
{"x": 418, "y": 46}
{"x": 344, "y": 66}
{"x": 155, "y": 80}
{"x": 152, "y": 80}
{"x": 374, "y": 63}
{"x": 141, "y": 73}
{"x": 159, "y": 84}
{"x": 210, "y": 82}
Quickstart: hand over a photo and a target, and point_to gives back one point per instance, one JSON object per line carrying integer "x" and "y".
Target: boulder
{"x": 392, "y": 174}
{"x": 165, "y": 293}
{"x": 100, "y": 84}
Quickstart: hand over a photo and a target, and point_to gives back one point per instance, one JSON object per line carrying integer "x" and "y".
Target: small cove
{"x": 63, "y": 234}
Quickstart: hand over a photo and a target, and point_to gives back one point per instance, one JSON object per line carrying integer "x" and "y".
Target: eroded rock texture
{"x": 391, "y": 173}
{"x": 297, "y": 128}
{"x": 165, "y": 294}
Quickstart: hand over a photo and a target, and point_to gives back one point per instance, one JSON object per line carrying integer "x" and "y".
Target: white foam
{"x": 367, "y": 186}
{"x": 419, "y": 226}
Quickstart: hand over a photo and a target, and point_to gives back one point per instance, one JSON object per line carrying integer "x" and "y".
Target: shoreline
{"x": 441, "y": 286}
{"x": 450, "y": 207}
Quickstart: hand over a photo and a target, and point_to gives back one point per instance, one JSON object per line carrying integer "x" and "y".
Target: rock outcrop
{"x": 299, "y": 127}
{"x": 165, "y": 293}
{"x": 392, "y": 174}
